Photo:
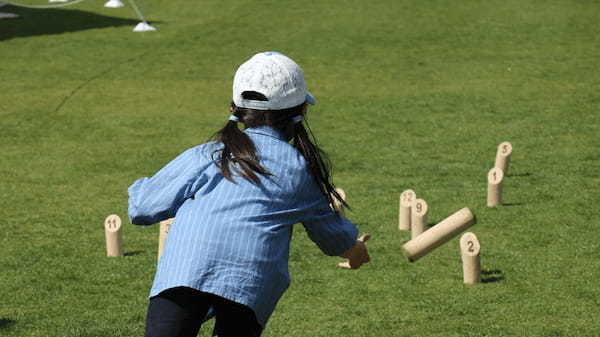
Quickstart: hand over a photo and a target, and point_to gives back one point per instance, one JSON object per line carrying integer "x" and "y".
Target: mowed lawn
{"x": 411, "y": 94}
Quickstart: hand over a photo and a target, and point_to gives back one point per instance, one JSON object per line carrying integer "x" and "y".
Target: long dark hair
{"x": 239, "y": 149}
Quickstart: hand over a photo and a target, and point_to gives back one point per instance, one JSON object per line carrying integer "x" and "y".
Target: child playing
{"x": 234, "y": 201}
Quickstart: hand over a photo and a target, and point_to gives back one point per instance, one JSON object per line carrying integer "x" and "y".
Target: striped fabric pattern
{"x": 233, "y": 239}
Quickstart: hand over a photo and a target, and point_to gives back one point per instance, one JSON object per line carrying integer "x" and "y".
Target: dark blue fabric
{"x": 180, "y": 312}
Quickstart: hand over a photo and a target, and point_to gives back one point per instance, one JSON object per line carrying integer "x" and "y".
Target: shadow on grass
{"x": 50, "y": 21}
{"x": 491, "y": 275}
{"x": 133, "y": 253}
{"x": 509, "y": 204}
{"x": 526, "y": 174}
{"x": 6, "y": 323}
{"x": 433, "y": 223}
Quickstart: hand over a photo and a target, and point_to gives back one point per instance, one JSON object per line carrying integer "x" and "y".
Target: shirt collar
{"x": 266, "y": 131}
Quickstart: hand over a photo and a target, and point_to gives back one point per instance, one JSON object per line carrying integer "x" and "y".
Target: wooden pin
{"x": 469, "y": 251}
{"x": 406, "y": 200}
{"x": 494, "y": 195}
{"x": 418, "y": 217}
{"x": 438, "y": 234}
{"x": 337, "y": 205}
{"x": 165, "y": 226}
{"x": 114, "y": 236}
{"x": 503, "y": 156}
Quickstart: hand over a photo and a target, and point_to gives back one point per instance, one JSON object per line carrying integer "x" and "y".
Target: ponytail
{"x": 238, "y": 149}
{"x": 318, "y": 163}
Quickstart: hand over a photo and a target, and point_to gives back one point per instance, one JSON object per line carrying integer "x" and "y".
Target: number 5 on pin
{"x": 503, "y": 156}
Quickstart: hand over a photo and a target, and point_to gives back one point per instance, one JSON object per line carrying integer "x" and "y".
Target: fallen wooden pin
{"x": 438, "y": 234}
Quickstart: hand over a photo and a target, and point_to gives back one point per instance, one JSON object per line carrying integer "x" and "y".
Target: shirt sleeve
{"x": 159, "y": 197}
{"x": 333, "y": 233}
{"x": 330, "y": 231}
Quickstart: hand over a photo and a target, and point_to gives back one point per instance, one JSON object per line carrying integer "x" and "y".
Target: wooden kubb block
{"x": 406, "y": 200}
{"x": 438, "y": 234}
{"x": 503, "y": 156}
{"x": 114, "y": 236}
{"x": 494, "y": 193}
{"x": 418, "y": 217}
{"x": 470, "y": 255}
{"x": 165, "y": 226}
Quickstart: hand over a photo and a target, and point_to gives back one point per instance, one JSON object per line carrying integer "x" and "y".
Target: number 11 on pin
{"x": 114, "y": 236}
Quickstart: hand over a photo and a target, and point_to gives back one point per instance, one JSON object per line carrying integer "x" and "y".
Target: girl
{"x": 234, "y": 201}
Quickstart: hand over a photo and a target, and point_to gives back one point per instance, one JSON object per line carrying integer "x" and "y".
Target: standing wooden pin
{"x": 114, "y": 236}
{"x": 165, "y": 226}
{"x": 338, "y": 205}
{"x": 503, "y": 156}
{"x": 438, "y": 234}
{"x": 494, "y": 195}
{"x": 406, "y": 199}
{"x": 418, "y": 217}
{"x": 469, "y": 251}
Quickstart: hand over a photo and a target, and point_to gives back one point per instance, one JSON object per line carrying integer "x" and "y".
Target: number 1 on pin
{"x": 494, "y": 195}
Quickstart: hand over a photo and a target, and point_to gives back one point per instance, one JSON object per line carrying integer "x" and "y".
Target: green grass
{"x": 411, "y": 95}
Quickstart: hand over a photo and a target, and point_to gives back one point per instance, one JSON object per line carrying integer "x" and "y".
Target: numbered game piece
{"x": 165, "y": 226}
{"x": 469, "y": 251}
{"x": 494, "y": 195}
{"x": 418, "y": 217}
{"x": 503, "y": 156}
{"x": 438, "y": 234}
{"x": 406, "y": 199}
{"x": 114, "y": 237}
{"x": 337, "y": 205}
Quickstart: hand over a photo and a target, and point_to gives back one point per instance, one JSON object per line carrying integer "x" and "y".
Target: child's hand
{"x": 357, "y": 255}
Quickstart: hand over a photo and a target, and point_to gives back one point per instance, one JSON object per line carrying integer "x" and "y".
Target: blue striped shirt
{"x": 232, "y": 239}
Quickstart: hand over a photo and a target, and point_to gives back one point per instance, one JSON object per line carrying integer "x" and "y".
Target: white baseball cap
{"x": 274, "y": 75}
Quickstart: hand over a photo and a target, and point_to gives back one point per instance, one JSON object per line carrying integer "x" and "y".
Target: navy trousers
{"x": 179, "y": 312}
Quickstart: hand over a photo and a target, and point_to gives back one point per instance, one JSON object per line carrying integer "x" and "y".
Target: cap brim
{"x": 310, "y": 98}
